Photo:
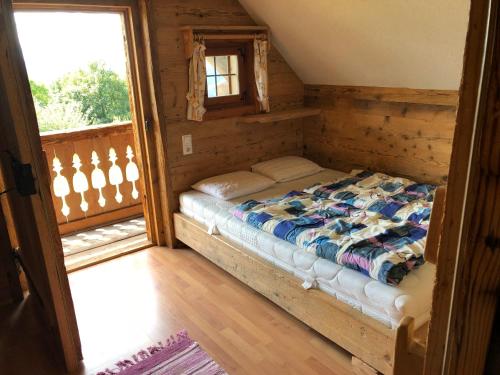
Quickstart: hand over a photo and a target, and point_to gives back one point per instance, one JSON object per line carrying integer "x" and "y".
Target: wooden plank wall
{"x": 10, "y": 283}
{"x": 225, "y": 146}
{"x": 395, "y": 130}
{"x": 5, "y": 297}
{"x": 220, "y": 145}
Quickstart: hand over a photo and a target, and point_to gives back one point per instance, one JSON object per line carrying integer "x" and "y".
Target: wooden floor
{"x": 133, "y": 301}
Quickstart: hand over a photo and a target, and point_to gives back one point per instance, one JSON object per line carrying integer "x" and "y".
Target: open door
{"x": 26, "y": 202}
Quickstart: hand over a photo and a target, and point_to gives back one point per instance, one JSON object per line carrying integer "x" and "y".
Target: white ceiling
{"x": 390, "y": 43}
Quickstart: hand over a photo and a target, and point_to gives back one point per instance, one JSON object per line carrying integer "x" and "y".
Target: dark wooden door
{"x": 31, "y": 220}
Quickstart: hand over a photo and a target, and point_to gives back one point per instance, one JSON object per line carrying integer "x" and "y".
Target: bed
{"x": 372, "y": 320}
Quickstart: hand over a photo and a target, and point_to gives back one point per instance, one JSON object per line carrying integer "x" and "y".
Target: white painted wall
{"x": 388, "y": 43}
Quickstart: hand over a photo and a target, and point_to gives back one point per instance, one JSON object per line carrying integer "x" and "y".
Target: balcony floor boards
{"x": 93, "y": 246}
{"x": 106, "y": 252}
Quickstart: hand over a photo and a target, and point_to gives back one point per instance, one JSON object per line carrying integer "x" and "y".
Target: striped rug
{"x": 180, "y": 355}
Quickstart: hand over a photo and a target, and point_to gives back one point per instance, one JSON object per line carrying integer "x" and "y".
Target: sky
{"x": 55, "y": 43}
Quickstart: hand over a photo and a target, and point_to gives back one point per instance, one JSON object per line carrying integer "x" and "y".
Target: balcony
{"x": 95, "y": 184}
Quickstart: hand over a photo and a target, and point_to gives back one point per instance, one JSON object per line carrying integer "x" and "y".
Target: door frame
{"x": 467, "y": 283}
{"x": 146, "y": 118}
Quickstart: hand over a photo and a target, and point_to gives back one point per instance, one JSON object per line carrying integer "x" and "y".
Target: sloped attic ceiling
{"x": 391, "y": 43}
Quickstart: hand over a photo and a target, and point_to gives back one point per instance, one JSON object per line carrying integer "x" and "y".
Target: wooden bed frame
{"x": 374, "y": 346}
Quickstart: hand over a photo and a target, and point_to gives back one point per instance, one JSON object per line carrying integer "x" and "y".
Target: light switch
{"x": 187, "y": 144}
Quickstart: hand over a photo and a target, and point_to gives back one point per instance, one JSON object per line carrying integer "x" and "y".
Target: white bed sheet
{"x": 385, "y": 303}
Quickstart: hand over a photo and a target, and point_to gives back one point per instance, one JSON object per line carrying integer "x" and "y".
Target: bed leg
{"x": 361, "y": 368}
{"x": 407, "y": 360}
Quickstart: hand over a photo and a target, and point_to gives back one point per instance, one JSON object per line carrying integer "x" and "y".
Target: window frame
{"x": 246, "y": 101}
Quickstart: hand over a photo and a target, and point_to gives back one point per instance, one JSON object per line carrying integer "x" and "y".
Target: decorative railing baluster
{"x": 132, "y": 172}
{"x": 115, "y": 174}
{"x": 80, "y": 182}
{"x": 98, "y": 179}
{"x": 61, "y": 186}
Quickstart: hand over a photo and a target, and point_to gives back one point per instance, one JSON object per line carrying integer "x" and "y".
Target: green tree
{"x": 58, "y": 116}
{"x": 51, "y": 113}
{"x": 40, "y": 93}
{"x": 100, "y": 92}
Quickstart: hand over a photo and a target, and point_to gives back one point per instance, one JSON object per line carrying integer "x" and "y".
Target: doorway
{"x": 84, "y": 96}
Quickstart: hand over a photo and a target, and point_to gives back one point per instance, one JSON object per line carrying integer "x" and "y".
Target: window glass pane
{"x": 235, "y": 85}
{"x": 222, "y": 75}
{"x": 221, "y": 66}
{"x": 211, "y": 92}
{"x": 210, "y": 65}
{"x": 222, "y": 86}
{"x": 233, "y": 62}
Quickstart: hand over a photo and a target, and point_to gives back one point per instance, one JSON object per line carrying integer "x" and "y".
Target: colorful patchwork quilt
{"x": 370, "y": 222}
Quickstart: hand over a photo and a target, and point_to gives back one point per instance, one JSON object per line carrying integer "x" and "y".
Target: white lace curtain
{"x": 260, "y": 67}
{"x": 197, "y": 83}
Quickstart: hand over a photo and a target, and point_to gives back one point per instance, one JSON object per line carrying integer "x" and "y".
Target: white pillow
{"x": 233, "y": 185}
{"x": 287, "y": 168}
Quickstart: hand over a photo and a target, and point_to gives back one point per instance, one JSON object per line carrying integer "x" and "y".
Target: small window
{"x": 222, "y": 76}
{"x": 230, "y": 89}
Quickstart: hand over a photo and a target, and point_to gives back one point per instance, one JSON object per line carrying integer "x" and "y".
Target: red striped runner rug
{"x": 179, "y": 355}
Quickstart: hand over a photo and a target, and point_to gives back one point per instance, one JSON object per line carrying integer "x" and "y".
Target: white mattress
{"x": 385, "y": 303}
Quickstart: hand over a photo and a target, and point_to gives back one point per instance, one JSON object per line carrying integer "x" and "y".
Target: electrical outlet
{"x": 187, "y": 144}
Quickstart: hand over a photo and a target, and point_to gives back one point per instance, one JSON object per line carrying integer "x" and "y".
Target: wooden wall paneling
{"x": 223, "y": 146}
{"x": 401, "y": 131}
{"x": 202, "y": 12}
{"x": 219, "y": 146}
{"x": 289, "y": 114}
{"x": 168, "y": 17}
{"x": 324, "y": 93}
{"x": 224, "y": 33}
{"x": 34, "y": 217}
{"x": 286, "y": 90}
{"x": 468, "y": 278}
